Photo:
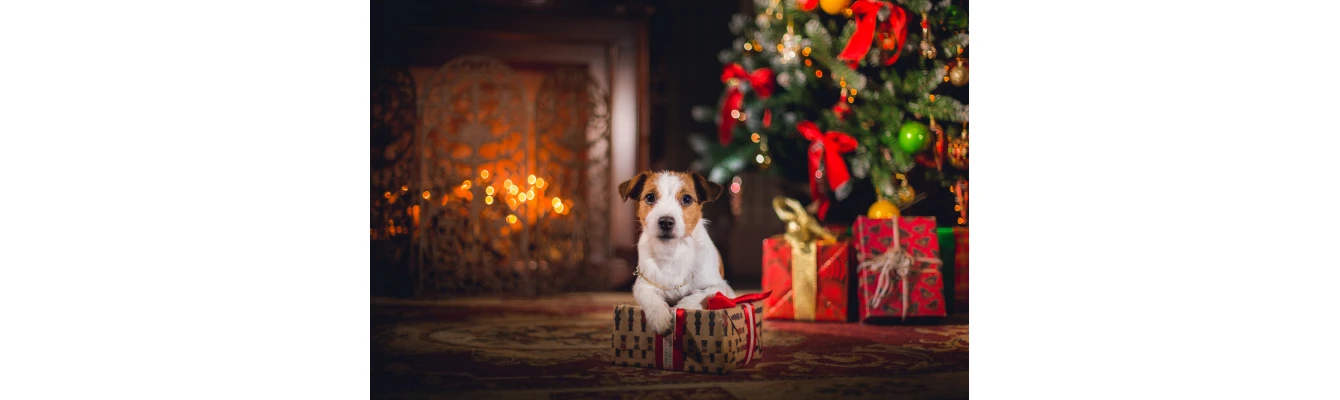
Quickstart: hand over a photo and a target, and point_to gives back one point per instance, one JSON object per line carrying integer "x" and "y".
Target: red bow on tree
{"x": 807, "y": 5}
{"x": 826, "y": 149}
{"x": 760, "y": 81}
{"x": 864, "y": 12}
{"x": 721, "y": 302}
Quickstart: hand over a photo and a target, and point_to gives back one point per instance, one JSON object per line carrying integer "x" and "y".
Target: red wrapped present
{"x": 961, "y": 267}
{"x": 899, "y": 274}
{"x": 806, "y": 269}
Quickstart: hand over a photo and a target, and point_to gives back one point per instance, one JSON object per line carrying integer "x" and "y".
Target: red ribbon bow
{"x": 864, "y": 12}
{"x": 761, "y": 81}
{"x": 721, "y": 302}
{"x": 827, "y": 148}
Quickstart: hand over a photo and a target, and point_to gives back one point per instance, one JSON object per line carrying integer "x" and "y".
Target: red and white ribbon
{"x": 749, "y": 333}
{"x": 670, "y": 348}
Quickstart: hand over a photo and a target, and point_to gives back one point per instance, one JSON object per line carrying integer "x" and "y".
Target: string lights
{"x": 511, "y": 194}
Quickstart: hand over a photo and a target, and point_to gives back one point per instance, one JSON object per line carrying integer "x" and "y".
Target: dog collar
{"x": 638, "y": 273}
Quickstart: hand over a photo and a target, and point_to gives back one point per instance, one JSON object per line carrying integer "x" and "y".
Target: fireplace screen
{"x": 507, "y": 181}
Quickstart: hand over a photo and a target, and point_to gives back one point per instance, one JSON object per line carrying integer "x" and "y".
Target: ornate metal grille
{"x": 513, "y": 198}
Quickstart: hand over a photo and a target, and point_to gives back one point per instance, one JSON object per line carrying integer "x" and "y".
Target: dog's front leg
{"x": 653, "y": 304}
{"x": 698, "y": 300}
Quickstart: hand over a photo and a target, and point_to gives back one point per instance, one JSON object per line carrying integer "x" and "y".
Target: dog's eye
{"x": 686, "y": 200}
{"x": 651, "y": 198}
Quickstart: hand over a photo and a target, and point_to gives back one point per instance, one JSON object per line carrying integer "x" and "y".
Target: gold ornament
{"x": 834, "y": 7}
{"x": 906, "y": 194}
{"x": 883, "y": 209}
{"x": 927, "y": 49}
{"x": 958, "y": 150}
{"x": 958, "y": 74}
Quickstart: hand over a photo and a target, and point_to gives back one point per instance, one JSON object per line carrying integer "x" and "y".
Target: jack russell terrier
{"x": 677, "y": 262}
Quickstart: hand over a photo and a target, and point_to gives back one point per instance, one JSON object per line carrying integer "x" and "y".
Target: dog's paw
{"x": 661, "y": 321}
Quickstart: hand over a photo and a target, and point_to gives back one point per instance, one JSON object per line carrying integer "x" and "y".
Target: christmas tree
{"x": 850, "y": 96}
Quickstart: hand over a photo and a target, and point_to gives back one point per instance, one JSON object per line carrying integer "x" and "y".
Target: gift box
{"x": 899, "y": 273}
{"x": 706, "y": 341}
{"x": 809, "y": 282}
{"x": 960, "y": 264}
{"x": 806, "y": 269}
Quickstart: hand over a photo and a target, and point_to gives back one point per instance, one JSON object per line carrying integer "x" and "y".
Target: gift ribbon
{"x": 825, "y": 157}
{"x": 761, "y": 81}
{"x": 721, "y": 302}
{"x": 750, "y": 335}
{"x": 803, "y": 234}
{"x": 864, "y": 14}
{"x": 898, "y": 261}
{"x": 673, "y": 359}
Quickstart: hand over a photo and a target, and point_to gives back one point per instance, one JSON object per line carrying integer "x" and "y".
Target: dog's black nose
{"x": 667, "y": 223}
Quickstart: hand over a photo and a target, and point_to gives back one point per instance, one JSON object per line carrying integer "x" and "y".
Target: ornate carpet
{"x": 558, "y": 347}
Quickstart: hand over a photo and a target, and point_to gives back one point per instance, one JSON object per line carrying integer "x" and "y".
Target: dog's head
{"x": 669, "y": 204}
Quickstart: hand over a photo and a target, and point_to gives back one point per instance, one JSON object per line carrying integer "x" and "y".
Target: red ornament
{"x": 889, "y": 43}
{"x": 807, "y": 5}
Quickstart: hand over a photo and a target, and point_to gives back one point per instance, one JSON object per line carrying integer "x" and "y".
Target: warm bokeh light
{"x": 556, "y": 202}
{"x": 484, "y": 174}
{"x": 488, "y": 199}
{"x": 404, "y": 188}
{"x": 735, "y": 114}
{"x": 511, "y": 218}
{"x": 488, "y": 190}
{"x": 754, "y": 137}
{"x": 465, "y": 185}
{"x": 759, "y": 158}
{"x": 426, "y": 195}
{"x": 818, "y": 73}
{"x": 530, "y": 179}
{"x": 387, "y": 195}
{"x": 539, "y": 182}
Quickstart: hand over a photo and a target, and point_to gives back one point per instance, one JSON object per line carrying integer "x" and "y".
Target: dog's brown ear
{"x": 632, "y": 187}
{"x": 707, "y": 190}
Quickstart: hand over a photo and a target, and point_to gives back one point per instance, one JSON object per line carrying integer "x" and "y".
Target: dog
{"x": 677, "y": 262}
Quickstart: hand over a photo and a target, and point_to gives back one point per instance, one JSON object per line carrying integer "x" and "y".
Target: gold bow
{"x": 801, "y": 227}
{"x": 804, "y": 234}
{"x": 898, "y": 261}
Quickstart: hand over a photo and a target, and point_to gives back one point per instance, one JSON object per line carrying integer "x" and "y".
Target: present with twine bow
{"x": 899, "y": 270}
{"x": 807, "y": 269}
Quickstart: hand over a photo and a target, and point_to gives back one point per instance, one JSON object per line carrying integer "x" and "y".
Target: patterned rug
{"x": 558, "y": 347}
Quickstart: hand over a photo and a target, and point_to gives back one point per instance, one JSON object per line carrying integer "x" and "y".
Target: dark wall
{"x": 685, "y": 38}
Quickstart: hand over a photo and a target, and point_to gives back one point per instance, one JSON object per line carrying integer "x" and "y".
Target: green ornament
{"x": 954, "y": 18}
{"x": 913, "y": 137}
